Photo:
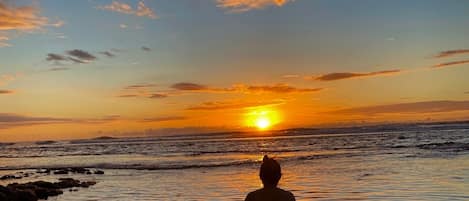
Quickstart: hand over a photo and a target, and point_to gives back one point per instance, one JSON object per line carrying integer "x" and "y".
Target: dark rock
{"x": 45, "y": 171}
{"x": 98, "y": 172}
{"x": 62, "y": 171}
{"x": 32, "y": 191}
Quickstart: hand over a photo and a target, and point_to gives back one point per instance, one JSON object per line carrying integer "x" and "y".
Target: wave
{"x": 181, "y": 164}
{"x": 446, "y": 146}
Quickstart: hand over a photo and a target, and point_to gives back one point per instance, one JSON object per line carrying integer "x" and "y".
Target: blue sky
{"x": 234, "y": 51}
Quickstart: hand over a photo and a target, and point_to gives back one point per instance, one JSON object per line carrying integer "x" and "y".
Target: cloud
{"x": 161, "y": 119}
{"x": 56, "y": 57}
{"x": 3, "y": 41}
{"x": 187, "y": 86}
{"x": 449, "y": 53}
{"x": 242, "y": 88}
{"x": 146, "y": 49}
{"x": 139, "y": 86}
{"x": 3, "y": 91}
{"x": 158, "y": 95}
{"x": 141, "y": 90}
{"x": 8, "y": 118}
{"x": 81, "y": 54}
{"x": 278, "y": 88}
{"x": 59, "y": 69}
{"x": 348, "y": 75}
{"x": 75, "y": 56}
{"x": 415, "y": 107}
{"x": 11, "y": 120}
{"x": 142, "y": 10}
{"x": 225, "y": 105}
{"x": 452, "y": 63}
{"x": 107, "y": 53}
{"x": 21, "y": 18}
{"x": 238, "y": 6}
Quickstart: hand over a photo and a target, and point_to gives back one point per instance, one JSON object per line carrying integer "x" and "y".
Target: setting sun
{"x": 262, "y": 119}
{"x": 262, "y": 123}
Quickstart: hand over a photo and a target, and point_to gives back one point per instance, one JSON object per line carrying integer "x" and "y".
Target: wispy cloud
{"x": 141, "y": 9}
{"x": 188, "y": 86}
{"x": 139, "y": 86}
{"x": 8, "y": 120}
{"x": 141, "y": 90}
{"x": 452, "y": 63}
{"x": 242, "y": 88}
{"x": 56, "y": 57}
{"x": 24, "y": 18}
{"x": 278, "y": 88}
{"x": 3, "y": 91}
{"x": 11, "y": 120}
{"x": 74, "y": 56}
{"x": 415, "y": 107}
{"x": 235, "y": 104}
{"x": 107, "y": 53}
{"x": 82, "y": 55}
{"x": 162, "y": 119}
{"x": 59, "y": 69}
{"x": 350, "y": 75}
{"x": 449, "y": 53}
{"x": 147, "y": 49}
{"x": 238, "y": 6}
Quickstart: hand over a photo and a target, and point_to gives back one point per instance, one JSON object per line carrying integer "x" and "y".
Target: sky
{"x": 80, "y": 69}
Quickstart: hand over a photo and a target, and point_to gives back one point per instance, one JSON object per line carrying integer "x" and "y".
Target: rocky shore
{"x": 32, "y": 191}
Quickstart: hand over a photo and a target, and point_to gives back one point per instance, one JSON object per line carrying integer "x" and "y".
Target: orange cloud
{"x": 242, "y": 88}
{"x": 6, "y": 91}
{"x": 246, "y": 5}
{"x": 161, "y": 119}
{"x": 142, "y": 10}
{"x": 21, "y": 18}
{"x": 348, "y": 75}
{"x": 224, "y": 105}
{"x": 449, "y": 53}
{"x": 278, "y": 88}
{"x": 452, "y": 63}
{"x": 415, "y": 107}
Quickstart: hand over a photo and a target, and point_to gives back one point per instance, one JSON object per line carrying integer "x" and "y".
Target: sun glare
{"x": 262, "y": 119}
{"x": 262, "y": 123}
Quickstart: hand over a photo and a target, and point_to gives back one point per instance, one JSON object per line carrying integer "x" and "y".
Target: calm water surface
{"x": 405, "y": 165}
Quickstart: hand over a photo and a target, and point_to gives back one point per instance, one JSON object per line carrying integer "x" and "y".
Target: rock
{"x": 32, "y": 191}
{"x": 98, "y": 172}
{"x": 62, "y": 171}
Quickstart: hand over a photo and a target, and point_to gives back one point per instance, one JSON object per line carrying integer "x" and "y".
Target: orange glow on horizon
{"x": 262, "y": 118}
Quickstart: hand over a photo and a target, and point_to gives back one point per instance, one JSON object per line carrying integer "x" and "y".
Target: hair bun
{"x": 265, "y": 159}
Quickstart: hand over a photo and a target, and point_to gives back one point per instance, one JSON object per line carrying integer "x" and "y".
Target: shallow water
{"x": 405, "y": 165}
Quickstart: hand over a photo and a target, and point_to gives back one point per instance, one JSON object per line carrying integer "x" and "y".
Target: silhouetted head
{"x": 270, "y": 172}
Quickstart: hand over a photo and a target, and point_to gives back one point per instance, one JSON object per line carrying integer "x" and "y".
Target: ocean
{"x": 391, "y": 162}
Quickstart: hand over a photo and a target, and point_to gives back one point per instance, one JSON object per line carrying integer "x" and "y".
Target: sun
{"x": 262, "y": 119}
{"x": 263, "y": 123}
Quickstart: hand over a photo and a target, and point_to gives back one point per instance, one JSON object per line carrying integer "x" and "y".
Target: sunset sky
{"x": 79, "y": 69}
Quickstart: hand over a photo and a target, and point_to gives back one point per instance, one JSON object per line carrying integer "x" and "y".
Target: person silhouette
{"x": 270, "y": 174}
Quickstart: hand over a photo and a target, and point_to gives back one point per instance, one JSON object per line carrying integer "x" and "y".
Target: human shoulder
{"x": 252, "y": 195}
{"x": 287, "y": 194}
